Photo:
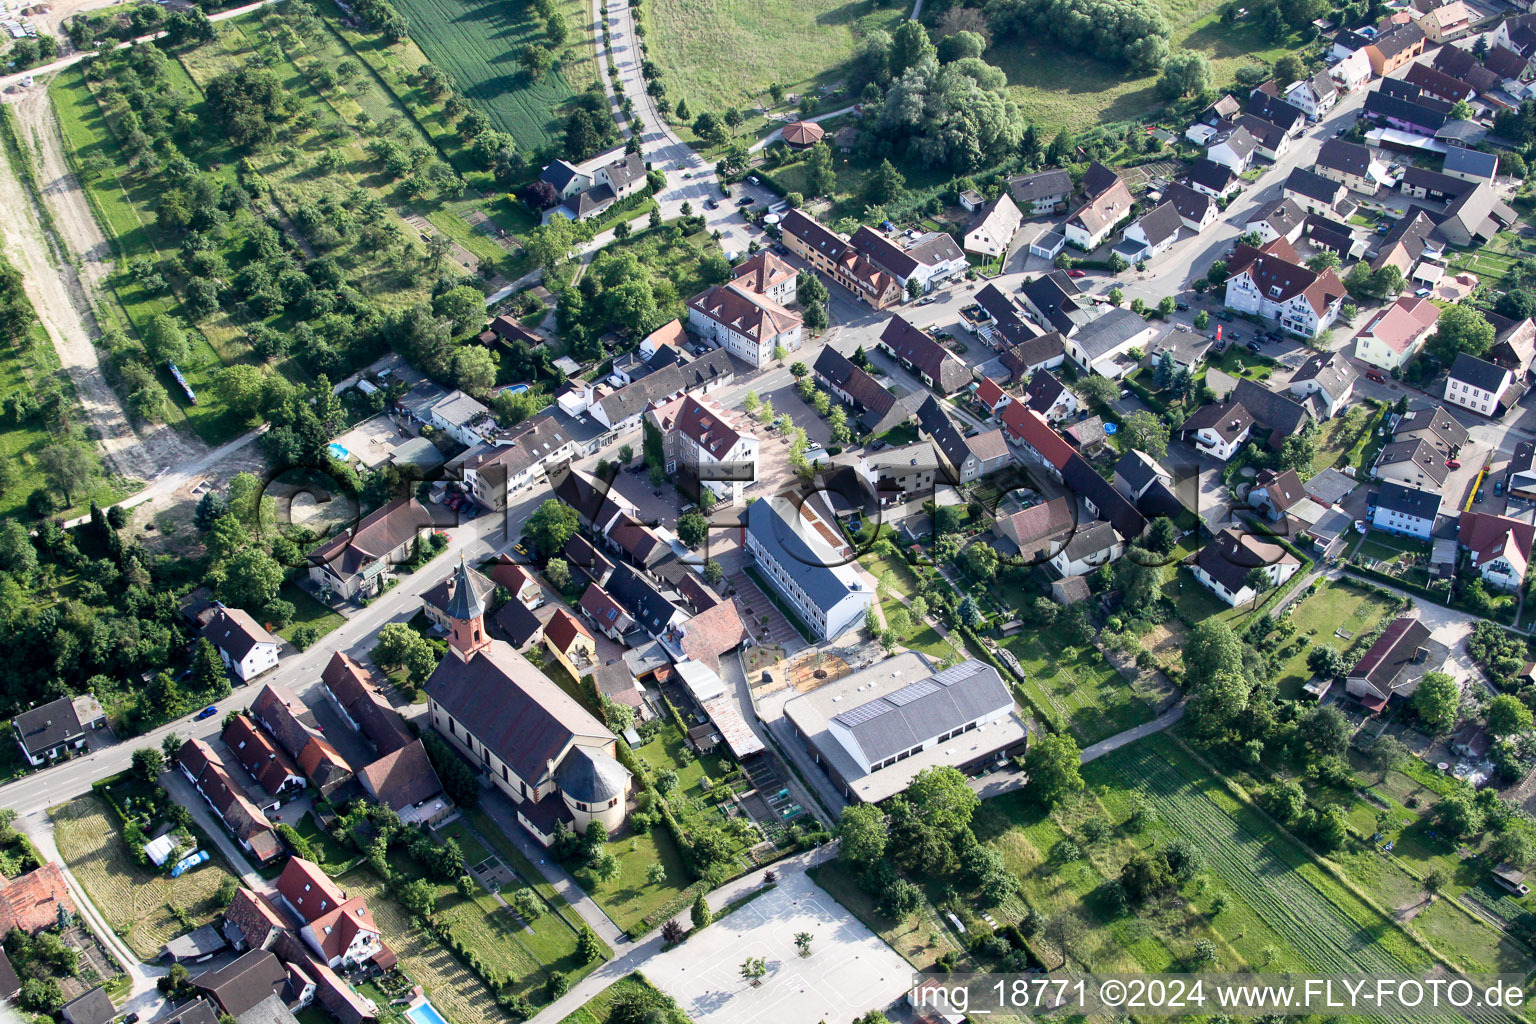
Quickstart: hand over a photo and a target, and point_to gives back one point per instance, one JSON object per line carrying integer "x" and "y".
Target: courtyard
{"x": 850, "y": 969}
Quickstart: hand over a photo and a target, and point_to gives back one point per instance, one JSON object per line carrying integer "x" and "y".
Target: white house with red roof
{"x": 1272, "y": 282}
{"x": 747, "y": 324}
{"x": 1396, "y": 333}
{"x": 345, "y": 936}
{"x": 702, "y": 437}
{"x": 1500, "y": 547}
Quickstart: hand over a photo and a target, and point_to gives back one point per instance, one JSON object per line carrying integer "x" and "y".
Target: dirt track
{"x": 64, "y": 298}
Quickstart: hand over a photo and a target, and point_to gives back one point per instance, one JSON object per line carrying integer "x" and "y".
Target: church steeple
{"x": 466, "y": 609}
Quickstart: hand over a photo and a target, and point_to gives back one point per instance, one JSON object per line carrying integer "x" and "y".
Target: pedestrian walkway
{"x": 182, "y": 792}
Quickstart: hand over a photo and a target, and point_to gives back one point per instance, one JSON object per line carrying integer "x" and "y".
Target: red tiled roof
{"x": 1492, "y": 537}
{"x": 32, "y": 902}
{"x": 1400, "y": 323}
{"x": 989, "y": 392}
{"x": 263, "y": 759}
{"x": 253, "y": 915}
{"x": 335, "y": 930}
{"x": 561, "y": 631}
{"x": 711, "y": 633}
{"x": 308, "y": 889}
{"x": 1029, "y": 427}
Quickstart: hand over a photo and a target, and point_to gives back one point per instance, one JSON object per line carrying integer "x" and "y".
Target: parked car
{"x": 1423, "y": 293}
{"x": 745, "y": 201}
{"x": 1452, "y": 464}
{"x": 1498, "y": 488}
{"x": 1182, "y": 307}
{"x": 711, "y": 204}
{"x": 208, "y": 712}
{"x": 753, "y": 180}
{"x": 1339, "y": 131}
{"x": 1077, "y": 273}
{"x": 1375, "y": 375}
{"x": 927, "y": 300}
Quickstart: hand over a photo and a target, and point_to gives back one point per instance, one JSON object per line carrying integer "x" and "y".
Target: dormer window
{"x": 1274, "y": 291}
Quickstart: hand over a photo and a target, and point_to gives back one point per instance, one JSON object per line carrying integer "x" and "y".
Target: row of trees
{"x": 1122, "y": 32}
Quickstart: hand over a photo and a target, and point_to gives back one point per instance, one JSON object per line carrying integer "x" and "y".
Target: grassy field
{"x": 597, "y": 1010}
{"x": 1057, "y": 89}
{"x": 920, "y": 939}
{"x": 725, "y": 53}
{"x": 1079, "y": 688}
{"x": 477, "y": 42}
{"x": 307, "y": 612}
{"x": 144, "y": 907}
{"x": 1336, "y": 606}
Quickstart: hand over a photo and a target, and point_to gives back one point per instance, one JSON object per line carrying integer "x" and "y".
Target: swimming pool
{"x": 337, "y": 451}
{"x": 513, "y": 389}
{"x": 425, "y": 1013}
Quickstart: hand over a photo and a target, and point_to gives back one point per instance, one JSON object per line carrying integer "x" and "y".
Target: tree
{"x": 1096, "y": 390}
{"x": 1202, "y": 320}
{"x": 1461, "y": 328}
{"x": 148, "y": 763}
{"x": 864, "y": 833}
{"x": 709, "y": 128}
{"x": 1146, "y": 432}
{"x": 692, "y": 528}
{"x": 753, "y": 969}
{"x": 1287, "y": 70}
{"x": 799, "y": 370}
{"x": 1163, "y": 536}
{"x": 400, "y": 646}
{"x": 803, "y": 943}
{"x": 1187, "y": 73}
{"x": 248, "y": 579}
{"x": 588, "y": 947}
{"x": 1436, "y": 702}
{"x": 558, "y": 572}
{"x": 942, "y": 799}
{"x": 1216, "y": 273}
{"x": 981, "y": 560}
{"x": 700, "y": 913}
{"x": 1386, "y": 753}
{"x": 536, "y": 61}
{"x": 1052, "y": 764}
{"x": 209, "y": 675}
{"x": 1258, "y": 579}
{"x": 1507, "y": 715}
{"x": 68, "y": 467}
{"x": 713, "y": 572}
{"x": 1298, "y": 450}
{"x": 910, "y": 46}
{"x": 820, "y": 178}
{"x": 1325, "y": 260}
{"x": 551, "y": 525}
{"x": 886, "y": 185}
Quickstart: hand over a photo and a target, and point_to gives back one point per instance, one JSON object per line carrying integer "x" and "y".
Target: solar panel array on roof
{"x": 865, "y": 712}
{"x": 914, "y": 691}
{"x": 921, "y": 710}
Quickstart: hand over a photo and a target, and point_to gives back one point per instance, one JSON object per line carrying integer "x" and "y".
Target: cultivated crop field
{"x": 478, "y": 42}
{"x": 725, "y": 53}
{"x": 136, "y": 902}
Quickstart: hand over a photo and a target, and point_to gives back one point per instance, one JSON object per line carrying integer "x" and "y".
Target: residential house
{"x": 1218, "y": 430}
{"x": 1271, "y": 282}
{"x": 1515, "y": 33}
{"x": 967, "y": 458}
{"x": 1499, "y": 547}
{"x": 244, "y": 820}
{"x": 1022, "y": 361}
{"x": 1464, "y": 66}
{"x": 993, "y": 229}
{"x": 747, "y": 324}
{"x": 53, "y": 729}
{"x": 929, "y": 259}
{"x": 242, "y": 984}
{"x": 1446, "y": 22}
{"x": 1279, "y": 219}
{"x": 533, "y": 741}
{"x": 1041, "y": 531}
{"x": 1106, "y": 202}
{"x": 1317, "y": 193}
{"x": 1393, "y": 666}
{"x": 1270, "y": 140}
{"x": 1514, "y": 345}
{"x": 830, "y": 253}
{"x": 405, "y": 781}
{"x": 597, "y": 505}
{"x": 1232, "y": 147}
{"x": 1265, "y": 104}
{"x": 1353, "y": 71}
{"x": 1040, "y": 445}
{"x": 1408, "y": 239}
{"x": 1479, "y": 385}
{"x": 1042, "y": 193}
{"x": 1150, "y": 236}
{"x": 894, "y": 474}
{"x": 766, "y": 274}
{"x": 875, "y": 409}
{"x": 1350, "y": 164}
{"x": 1471, "y": 741}
{"x": 1049, "y": 397}
{"x": 606, "y": 614}
{"x": 566, "y": 179}
{"x": 36, "y": 900}
{"x": 1214, "y": 179}
{"x": 1422, "y": 183}
{"x": 355, "y": 562}
{"x": 1521, "y": 472}
{"x": 923, "y": 356}
{"x": 1472, "y": 165}
{"x": 805, "y": 560}
{"x": 1093, "y": 544}
{"x": 1412, "y": 463}
{"x": 1225, "y": 563}
{"x": 1407, "y": 511}
{"x": 700, "y": 439}
{"x": 1437, "y": 85}
{"x": 621, "y": 410}
{"x": 516, "y": 461}
{"x": 1436, "y": 427}
{"x": 1396, "y": 333}
{"x": 571, "y": 643}
{"x": 1333, "y": 236}
{"x": 1414, "y": 113}
{"x": 1136, "y": 473}
{"x": 1053, "y": 298}
{"x": 91, "y": 1007}
{"x": 244, "y": 646}
{"x": 1197, "y": 210}
{"x": 1275, "y": 493}
{"x": 1329, "y": 377}
{"x": 1391, "y": 50}
{"x": 1276, "y": 416}
{"x": 1315, "y": 96}
{"x": 354, "y": 693}
{"x": 593, "y": 194}
{"x": 1104, "y": 345}
{"x": 1476, "y": 217}
{"x": 519, "y": 581}
{"x": 262, "y": 759}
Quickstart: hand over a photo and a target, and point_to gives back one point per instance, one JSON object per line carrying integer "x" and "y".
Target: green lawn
{"x": 307, "y": 612}
{"x": 597, "y": 1010}
{"x": 477, "y": 42}
{"x": 1347, "y": 440}
{"x": 725, "y": 53}
{"x": 1339, "y": 605}
{"x": 1057, "y": 88}
{"x": 1077, "y": 689}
